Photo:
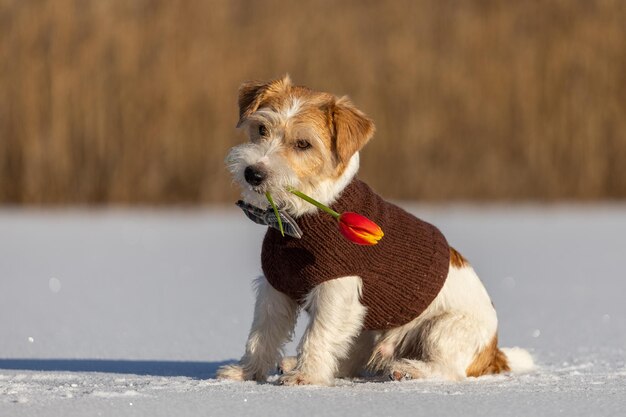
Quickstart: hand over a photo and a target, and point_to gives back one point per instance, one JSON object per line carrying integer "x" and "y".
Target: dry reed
{"x": 117, "y": 101}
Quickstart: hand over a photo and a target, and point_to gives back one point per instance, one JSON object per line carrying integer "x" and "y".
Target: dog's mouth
{"x": 259, "y": 189}
{"x": 256, "y": 194}
{"x": 265, "y": 187}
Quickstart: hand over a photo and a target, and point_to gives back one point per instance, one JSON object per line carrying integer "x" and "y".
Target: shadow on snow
{"x": 198, "y": 370}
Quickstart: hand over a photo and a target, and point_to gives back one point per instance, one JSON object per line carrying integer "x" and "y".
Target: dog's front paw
{"x": 237, "y": 373}
{"x": 300, "y": 378}
{"x": 294, "y": 378}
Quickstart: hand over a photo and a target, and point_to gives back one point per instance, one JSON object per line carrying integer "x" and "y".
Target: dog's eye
{"x": 302, "y": 144}
{"x": 262, "y": 130}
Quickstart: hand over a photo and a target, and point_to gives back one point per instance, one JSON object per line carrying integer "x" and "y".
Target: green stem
{"x": 280, "y": 223}
{"x": 315, "y": 203}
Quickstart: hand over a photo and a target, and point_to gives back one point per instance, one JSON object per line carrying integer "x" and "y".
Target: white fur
{"x": 519, "y": 359}
{"x": 293, "y": 109}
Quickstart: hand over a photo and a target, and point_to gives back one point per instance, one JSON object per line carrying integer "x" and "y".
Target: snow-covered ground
{"x": 131, "y": 312}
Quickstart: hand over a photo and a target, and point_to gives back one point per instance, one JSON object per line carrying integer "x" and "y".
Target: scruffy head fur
{"x": 298, "y": 138}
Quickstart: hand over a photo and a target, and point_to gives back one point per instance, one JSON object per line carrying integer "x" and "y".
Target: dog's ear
{"x": 352, "y": 129}
{"x": 253, "y": 93}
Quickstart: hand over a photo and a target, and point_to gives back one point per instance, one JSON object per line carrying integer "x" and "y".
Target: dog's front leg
{"x": 275, "y": 317}
{"x": 336, "y": 319}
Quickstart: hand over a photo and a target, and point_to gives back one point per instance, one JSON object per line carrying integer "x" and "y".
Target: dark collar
{"x": 267, "y": 217}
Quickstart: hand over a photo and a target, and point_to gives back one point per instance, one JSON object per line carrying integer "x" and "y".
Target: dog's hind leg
{"x": 275, "y": 317}
{"x": 454, "y": 338}
{"x": 336, "y": 319}
{"x": 448, "y": 345}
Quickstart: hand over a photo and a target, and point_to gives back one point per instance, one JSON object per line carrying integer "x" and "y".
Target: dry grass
{"x": 119, "y": 101}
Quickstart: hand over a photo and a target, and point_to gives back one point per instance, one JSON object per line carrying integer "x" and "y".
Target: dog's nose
{"x": 254, "y": 175}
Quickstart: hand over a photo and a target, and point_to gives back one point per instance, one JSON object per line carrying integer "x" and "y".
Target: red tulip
{"x": 359, "y": 229}
{"x": 354, "y": 227}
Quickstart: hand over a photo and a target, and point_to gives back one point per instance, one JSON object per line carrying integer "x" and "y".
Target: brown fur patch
{"x": 253, "y": 93}
{"x": 490, "y": 360}
{"x": 456, "y": 259}
{"x": 352, "y": 129}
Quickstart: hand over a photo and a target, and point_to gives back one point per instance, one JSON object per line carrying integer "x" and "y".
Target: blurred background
{"x": 134, "y": 101}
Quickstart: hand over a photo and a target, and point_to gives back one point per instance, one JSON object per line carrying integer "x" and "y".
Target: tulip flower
{"x": 359, "y": 229}
{"x": 353, "y": 226}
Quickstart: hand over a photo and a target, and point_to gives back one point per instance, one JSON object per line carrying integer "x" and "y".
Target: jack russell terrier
{"x": 409, "y": 307}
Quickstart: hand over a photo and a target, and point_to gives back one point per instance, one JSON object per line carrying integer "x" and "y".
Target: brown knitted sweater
{"x": 401, "y": 275}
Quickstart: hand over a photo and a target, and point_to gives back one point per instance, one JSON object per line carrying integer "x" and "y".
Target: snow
{"x": 115, "y": 312}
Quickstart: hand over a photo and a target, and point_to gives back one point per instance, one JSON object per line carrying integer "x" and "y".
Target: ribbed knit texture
{"x": 401, "y": 275}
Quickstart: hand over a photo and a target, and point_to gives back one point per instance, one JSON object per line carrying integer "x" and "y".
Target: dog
{"x": 444, "y": 326}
